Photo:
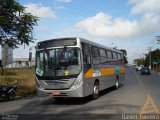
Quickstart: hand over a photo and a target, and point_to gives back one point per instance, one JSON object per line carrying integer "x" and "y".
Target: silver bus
{"x": 76, "y": 67}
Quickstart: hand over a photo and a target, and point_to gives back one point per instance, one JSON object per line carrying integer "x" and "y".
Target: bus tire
{"x": 117, "y": 82}
{"x": 95, "y": 90}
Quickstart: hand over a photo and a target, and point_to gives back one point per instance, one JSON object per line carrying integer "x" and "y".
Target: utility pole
{"x": 143, "y": 56}
{"x": 30, "y": 57}
{"x": 150, "y": 57}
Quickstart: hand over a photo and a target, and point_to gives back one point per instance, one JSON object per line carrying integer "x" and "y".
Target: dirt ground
{"x": 23, "y": 78}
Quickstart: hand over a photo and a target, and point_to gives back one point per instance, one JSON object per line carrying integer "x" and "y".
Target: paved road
{"x": 139, "y": 94}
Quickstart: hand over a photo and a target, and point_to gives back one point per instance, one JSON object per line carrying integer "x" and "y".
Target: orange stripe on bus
{"x": 89, "y": 73}
{"x": 122, "y": 70}
{"x": 107, "y": 71}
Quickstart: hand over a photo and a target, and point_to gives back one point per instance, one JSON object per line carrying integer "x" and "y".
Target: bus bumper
{"x": 77, "y": 92}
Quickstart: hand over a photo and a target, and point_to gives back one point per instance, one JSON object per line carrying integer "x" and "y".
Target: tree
{"x": 155, "y": 57}
{"x": 15, "y": 24}
{"x": 125, "y": 55}
{"x": 0, "y": 63}
{"x": 139, "y": 61}
{"x": 158, "y": 39}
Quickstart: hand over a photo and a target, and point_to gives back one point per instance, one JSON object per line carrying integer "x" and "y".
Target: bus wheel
{"x": 117, "y": 83}
{"x": 96, "y": 90}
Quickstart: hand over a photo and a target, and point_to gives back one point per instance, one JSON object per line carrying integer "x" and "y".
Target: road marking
{"x": 149, "y": 107}
{"x": 139, "y": 80}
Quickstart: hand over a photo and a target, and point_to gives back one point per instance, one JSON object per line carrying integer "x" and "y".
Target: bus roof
{"x": 83, "y": 40}
{"x": 99, "y": 45}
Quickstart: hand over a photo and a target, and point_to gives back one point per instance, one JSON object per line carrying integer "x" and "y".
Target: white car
{"x": 138, "y": 68}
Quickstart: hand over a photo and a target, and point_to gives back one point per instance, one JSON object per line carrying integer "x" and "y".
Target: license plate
{"x": 56, "y": 93}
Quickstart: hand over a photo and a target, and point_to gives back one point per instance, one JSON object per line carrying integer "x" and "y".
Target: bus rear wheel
{"x": 95, "y": 90}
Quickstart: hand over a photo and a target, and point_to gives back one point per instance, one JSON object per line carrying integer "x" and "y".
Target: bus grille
{"x": 55, "y": 82}
{"x": 58, "y": 84}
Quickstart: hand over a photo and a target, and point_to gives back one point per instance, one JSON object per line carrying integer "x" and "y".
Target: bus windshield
{"x": 58, "y": 62}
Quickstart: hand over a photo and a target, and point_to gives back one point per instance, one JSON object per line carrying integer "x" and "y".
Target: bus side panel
{"x": 107, "y": 81}
{"x": 122, "y": 78}
{"x": 88, "y": 86}
{"x": 122, "y": 75}
{"x": 104, "y": 82}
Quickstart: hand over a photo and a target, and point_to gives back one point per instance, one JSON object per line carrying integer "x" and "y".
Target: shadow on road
{"x": 45, "y": 105}
{"x": 109, "y": 90}
{"x": 77, "y": 101}
{"x": 66, "y": 101}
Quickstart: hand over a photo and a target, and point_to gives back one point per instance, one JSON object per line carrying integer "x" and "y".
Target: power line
{"x": 81, "y": 10}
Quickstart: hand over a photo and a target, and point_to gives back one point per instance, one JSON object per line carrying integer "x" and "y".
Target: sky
{"x": 126, "y": 24}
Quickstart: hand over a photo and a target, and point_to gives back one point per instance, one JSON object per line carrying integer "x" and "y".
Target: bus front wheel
{"x": 96, "y": 90}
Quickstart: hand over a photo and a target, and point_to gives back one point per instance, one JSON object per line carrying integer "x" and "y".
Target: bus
{"x": 76, "y": 67}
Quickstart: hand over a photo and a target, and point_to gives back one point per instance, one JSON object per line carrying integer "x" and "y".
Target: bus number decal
{"x": 96, "y": 73}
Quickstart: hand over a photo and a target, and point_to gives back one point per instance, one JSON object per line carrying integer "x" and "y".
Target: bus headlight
{"x": 76, "y": 84}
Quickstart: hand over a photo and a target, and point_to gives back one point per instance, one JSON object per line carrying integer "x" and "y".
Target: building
{"x": 22, "y": 63}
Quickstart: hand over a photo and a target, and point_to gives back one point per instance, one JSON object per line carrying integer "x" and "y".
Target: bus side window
{"x": 86, "y": 53}
{"x": 115, "y": 56}
{"x": 103, "y": 56}
{"x": 109, "y": 56}
{"x": 122, "y": 57}
{"x": 119, "y": 57}
{"x": 95, "y": 55}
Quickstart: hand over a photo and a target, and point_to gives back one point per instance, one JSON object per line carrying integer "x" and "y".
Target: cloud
{"x": 40, "y": 11}
{"x": 103, "y": 24}
{"x": 63, "y": 1}
{"x": 145, "y": 6}
{"x": 60, "y": 4}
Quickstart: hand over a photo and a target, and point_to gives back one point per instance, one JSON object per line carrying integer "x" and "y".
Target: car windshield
{"x": 145, "y": 68}
{"x": 58, "y": 62}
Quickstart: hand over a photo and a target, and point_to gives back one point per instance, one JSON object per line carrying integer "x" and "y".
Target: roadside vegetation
{"x": 23, "y": 78}
{"x": 152, "y": 57}
{"x": 16, "y": 26}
